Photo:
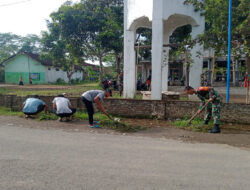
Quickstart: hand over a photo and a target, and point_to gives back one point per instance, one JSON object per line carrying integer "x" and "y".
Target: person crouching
{"x": 62, "y": 108}
{"x": 33, "y": 106}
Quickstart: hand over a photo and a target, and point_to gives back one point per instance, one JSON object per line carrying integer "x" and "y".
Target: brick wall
{"x": 235, "y": 113}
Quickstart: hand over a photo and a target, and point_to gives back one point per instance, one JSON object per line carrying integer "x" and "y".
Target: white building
{"x": 163, "y": 17}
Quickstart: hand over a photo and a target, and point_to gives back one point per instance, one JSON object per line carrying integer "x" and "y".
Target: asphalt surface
{"x": 53, "y": 159}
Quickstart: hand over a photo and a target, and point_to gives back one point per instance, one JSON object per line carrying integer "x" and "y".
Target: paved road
{"x": 52, "y": 159}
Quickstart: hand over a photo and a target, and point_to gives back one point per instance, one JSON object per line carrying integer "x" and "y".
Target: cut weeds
{"x": 120, "y": 126}
{"x": 196, "y": 125}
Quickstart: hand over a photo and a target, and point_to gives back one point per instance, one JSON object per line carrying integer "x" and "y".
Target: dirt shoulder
{"x": 238, "y": 136}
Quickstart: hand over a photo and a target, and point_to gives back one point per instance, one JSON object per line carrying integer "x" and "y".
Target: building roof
{"x": 95, "y": 67}
{"x": 31, "y": 55}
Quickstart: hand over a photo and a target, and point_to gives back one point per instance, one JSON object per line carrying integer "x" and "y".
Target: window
{"x": 35, "y": 76}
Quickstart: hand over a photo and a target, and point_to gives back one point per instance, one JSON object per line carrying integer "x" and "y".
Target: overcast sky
{"x": 24, "y": 17}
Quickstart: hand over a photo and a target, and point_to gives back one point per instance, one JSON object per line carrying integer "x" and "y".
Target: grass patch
{"x": 182, "y": 98}
{"x": 8, "y": 112}
{"x": 72, "y": 90}
{"x": 109, "y": 124}
{"x": 77, "y": 116}
{"x": 196, "y": 125}
{"x": 46, "y": 116}
{"x": 120, "y": 126}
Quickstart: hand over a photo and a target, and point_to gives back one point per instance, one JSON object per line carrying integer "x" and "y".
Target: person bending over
{"x": 62, "y": 108}
{"x": 213, "y": 109}
{"x": 95, "y": 96}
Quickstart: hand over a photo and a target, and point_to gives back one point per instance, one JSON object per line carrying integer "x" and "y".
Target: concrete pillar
{"x": 129, "y": 78}
{"x": 157, "y": 49}
{"x": 196, "y": 67}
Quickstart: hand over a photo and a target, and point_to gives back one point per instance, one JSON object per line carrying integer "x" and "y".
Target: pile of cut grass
{"x": 120, "y": 126}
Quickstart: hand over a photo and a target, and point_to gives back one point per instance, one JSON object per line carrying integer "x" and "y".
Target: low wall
{"x": 235, "y": 113}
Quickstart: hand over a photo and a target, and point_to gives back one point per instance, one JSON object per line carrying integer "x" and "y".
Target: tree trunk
{"x": 187, "y": 74}
{"x": 213, "y": 70}
{"x": 234, "y": 74}
{"x": 118, "y": 70}
{"x": 70, "y": 74}
{"x": 248, "y": 63}
{"x": 237, "y": 73}
{"x": 100, "y": 70}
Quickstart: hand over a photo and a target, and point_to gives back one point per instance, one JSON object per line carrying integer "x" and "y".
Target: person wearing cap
{"x": 33, "y": 106}
{"x": 213, "y": 108}
{"x": 62, "y": 107}
{"x": 95, "y": 96}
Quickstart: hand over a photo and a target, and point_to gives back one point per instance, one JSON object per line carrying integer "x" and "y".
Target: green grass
{"x": 196, "y": 125}
{"x": 184, "y": 98}
{"x": 8, "y": 112}
{"x": 77, "y": 116}
{"x": 73, "y": 90}
{"x": 104, "y": 122}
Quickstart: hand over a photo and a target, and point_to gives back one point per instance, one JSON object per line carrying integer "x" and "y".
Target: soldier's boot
{"x": 216, "y": 129}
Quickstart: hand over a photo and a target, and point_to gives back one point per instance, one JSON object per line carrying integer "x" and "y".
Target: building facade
{"x": 29, "y": 67}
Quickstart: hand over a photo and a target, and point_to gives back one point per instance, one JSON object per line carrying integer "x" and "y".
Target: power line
{"x": 14, "y": 3}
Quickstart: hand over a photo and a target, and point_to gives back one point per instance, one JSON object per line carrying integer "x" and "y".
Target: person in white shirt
{"x": 62, "y": 108}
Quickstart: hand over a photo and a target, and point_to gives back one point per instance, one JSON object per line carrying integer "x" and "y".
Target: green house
{"x": 28, "y": 65}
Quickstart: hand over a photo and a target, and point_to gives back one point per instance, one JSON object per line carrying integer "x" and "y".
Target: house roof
{"x": 31, "y": 55}
{"x": 36, "y": 57}
{"x": 95, "y": 67}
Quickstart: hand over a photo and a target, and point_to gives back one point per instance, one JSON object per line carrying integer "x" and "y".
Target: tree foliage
{"x": 216, "y": 32}
{"x": 85, "y": 30}
{"x": 11, "y": 44}
{"x": 60, "y": 46}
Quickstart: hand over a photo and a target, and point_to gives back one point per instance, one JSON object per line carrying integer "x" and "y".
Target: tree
{"x": 89, "y": 29}
{"x": 11, "y": 44}
{"x": 59, "y": 45}
{"x": 106, "y": 34}
{"x": 31, "y": 44}
{"x": 216, "y": 32}
{"x": 113, "y": 33}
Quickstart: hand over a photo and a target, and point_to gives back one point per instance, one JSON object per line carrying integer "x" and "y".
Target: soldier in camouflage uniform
{"x": 213, "y": 108}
